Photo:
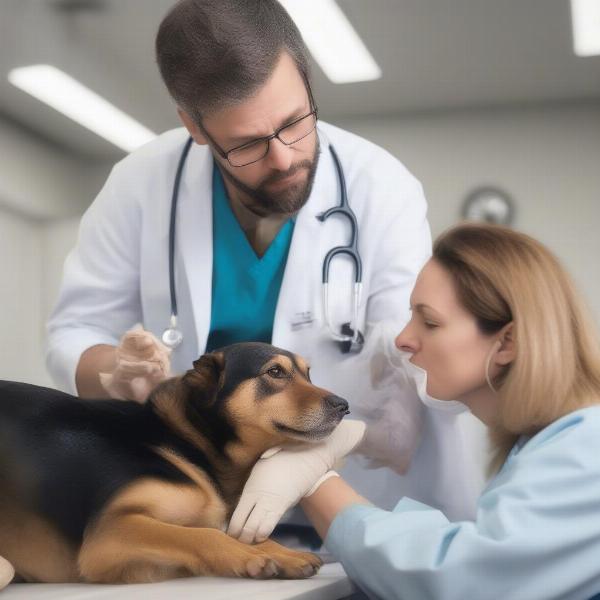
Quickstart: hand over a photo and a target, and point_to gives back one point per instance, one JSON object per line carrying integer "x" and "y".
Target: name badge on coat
{"x": 302, "y": 320}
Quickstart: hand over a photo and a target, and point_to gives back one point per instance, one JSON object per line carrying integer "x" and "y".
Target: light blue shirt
{"x": 536, "y": 535}
{"x": 245, "y": 287}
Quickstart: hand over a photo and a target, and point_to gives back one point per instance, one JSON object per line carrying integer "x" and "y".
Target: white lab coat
{"x": 118, "y": 275}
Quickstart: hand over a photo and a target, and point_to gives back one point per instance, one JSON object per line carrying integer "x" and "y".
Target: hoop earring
{"x": 487, "y": 367}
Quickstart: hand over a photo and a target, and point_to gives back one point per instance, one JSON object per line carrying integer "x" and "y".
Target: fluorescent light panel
{"x": 586, "y": 27}
{"x": 66, "y": 95}
{"x": 333, "y": 41}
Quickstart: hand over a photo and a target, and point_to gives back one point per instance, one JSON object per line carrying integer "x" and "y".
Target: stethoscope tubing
{"x": 173, "y": 223}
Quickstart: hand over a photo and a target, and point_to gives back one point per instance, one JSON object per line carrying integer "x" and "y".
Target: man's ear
{"x": 192, "y": 127}
{"x": 508, "y": 348}
{"x": 204, "y": 380}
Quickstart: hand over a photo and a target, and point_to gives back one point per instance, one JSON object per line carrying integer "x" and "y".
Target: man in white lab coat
{"x": 249, "y": 246}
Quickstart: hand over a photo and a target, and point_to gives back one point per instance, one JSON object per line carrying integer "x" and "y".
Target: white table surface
{"x": 331, "y": 583}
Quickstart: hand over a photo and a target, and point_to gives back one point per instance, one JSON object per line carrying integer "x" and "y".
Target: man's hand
{"x": 278, "y": 481}
{"x": 142, "y": 363}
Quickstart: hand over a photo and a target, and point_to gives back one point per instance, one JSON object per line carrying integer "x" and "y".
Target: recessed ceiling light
{"x": 333, "y": 41}
{"x": 68, "y": 96}
{"x": 586, "y": 27}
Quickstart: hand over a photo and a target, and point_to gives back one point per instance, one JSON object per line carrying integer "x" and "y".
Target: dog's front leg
{"x": 138, "y": 548}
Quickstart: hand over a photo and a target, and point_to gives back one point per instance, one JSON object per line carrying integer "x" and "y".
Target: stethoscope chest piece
{"x": 172, "y": 336}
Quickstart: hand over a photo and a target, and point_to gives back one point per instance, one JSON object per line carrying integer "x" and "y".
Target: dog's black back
{"x": 64, "y": 457}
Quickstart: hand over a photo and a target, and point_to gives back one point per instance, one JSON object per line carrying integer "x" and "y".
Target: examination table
{"x": 331, "y": 583}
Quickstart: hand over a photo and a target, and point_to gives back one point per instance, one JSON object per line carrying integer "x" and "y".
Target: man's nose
{"x": 280, "y": 156}
{"x": 337, "y": 404}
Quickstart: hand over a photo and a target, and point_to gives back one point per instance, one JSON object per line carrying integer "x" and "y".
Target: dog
{"x": 114, "y": 491}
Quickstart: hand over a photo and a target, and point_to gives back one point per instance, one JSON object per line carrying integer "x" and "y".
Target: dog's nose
{"x": 336, "y": 403}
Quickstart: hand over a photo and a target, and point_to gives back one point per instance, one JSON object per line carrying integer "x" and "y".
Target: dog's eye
{"x": 276, "y": 372}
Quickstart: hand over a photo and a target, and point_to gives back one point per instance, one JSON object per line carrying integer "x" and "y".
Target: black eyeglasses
{"x": 257, "y": 149}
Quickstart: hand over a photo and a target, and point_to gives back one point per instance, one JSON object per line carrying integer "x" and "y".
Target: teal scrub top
{"x": 245, "y": 287}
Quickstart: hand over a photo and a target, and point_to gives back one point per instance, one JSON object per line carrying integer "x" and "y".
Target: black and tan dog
{"x": 113, "y": 491}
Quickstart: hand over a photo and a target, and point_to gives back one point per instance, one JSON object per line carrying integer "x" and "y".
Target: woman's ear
{"x": 507, "y": 351}
{"x": 192, "y": 127}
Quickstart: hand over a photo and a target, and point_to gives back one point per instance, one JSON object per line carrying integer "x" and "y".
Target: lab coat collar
{"x": 300, "y": 294}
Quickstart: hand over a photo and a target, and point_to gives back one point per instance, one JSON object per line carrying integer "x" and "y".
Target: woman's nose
{"x": 406, "y": 342}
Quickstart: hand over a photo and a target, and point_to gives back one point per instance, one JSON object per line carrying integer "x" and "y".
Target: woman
{"x": 497, "y": 325}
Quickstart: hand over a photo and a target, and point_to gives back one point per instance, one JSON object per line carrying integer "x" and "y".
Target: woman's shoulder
{"x": 562, "y": 456}
{"x": 583, "y": 423}
{"x": 567, "y": 446}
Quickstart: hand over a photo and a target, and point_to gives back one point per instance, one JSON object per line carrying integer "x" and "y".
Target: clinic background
{"x": 473, "y": 93}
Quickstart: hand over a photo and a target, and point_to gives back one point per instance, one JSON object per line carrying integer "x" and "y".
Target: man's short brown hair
{"x": 217, "y": 53}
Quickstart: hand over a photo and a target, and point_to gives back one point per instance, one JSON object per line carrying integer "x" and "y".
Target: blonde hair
{"x": 502, "y": 276}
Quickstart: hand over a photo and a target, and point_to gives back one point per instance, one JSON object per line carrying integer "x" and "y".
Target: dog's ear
{"x": 204, "y": 380}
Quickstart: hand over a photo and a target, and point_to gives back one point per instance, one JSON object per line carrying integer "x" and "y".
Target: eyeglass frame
{"x": 267, "y": 138}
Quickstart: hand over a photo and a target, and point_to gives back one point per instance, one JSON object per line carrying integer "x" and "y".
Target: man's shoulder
{"x": 359, "y": 149}
{"x": 366, "y": 161}
{"x": 374, "y": 176}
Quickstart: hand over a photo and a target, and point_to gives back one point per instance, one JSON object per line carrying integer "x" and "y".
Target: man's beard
{"x": 288, "y": 200}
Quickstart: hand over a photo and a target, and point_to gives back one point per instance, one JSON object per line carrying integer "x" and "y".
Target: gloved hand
{"x": 142, "y": 363}
{"x": 6, "y": 572}
{"x": 278, "y": 481}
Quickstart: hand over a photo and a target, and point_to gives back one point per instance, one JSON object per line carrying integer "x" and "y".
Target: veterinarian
{"x": 497, "y": 326}
{"x": 237, "y": 195}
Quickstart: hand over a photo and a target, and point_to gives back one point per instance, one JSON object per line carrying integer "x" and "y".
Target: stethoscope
{"x": 350, "y": 339}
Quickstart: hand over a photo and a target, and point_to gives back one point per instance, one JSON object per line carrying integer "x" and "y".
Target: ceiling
{"x": 435, "y": 55}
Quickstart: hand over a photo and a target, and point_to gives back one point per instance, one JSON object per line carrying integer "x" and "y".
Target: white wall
{"x": 38, "y": 182}
{"x": 21, "y": 324}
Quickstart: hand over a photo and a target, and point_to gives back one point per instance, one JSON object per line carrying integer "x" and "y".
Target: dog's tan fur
{"x": 154, "y": 529}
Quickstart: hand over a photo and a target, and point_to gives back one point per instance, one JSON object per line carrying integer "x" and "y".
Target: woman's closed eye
{"x": 429, "y": 322}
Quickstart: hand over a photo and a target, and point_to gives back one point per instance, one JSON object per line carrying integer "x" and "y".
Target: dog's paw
{"x": 298, "y": 565}
{"x": 276, "y": 561}
{"x": 262, "y": 567}
{"x": 292, "y": 564}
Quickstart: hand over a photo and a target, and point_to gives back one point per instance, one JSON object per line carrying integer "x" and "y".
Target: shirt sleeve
{"x": 536, "y": 536}
{"x": 99, "y": 297}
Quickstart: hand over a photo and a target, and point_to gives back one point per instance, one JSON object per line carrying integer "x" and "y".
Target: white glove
{"x": 142, "y": 363}
{"x": 278, "y": 481}
{"x": 6, "y": 572}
